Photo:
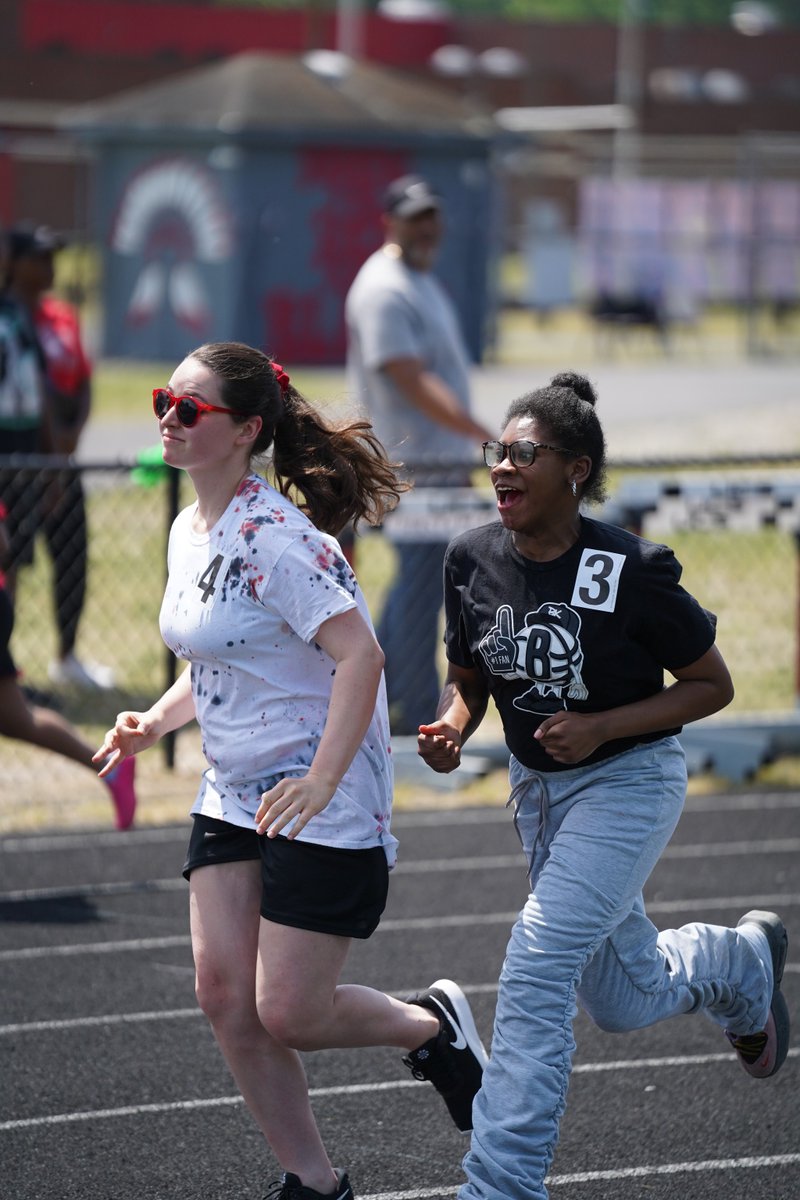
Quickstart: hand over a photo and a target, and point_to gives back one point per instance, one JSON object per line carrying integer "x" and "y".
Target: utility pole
{"x": 350, "y": 27}
{"x": 629, "y": 87}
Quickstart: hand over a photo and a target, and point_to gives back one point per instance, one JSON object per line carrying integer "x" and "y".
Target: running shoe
{"x": 762, "y": 1054}
{"x": 123, "y": 793}
{"x": 290, "y": 1188}
{"x": 453, "y": 1061}
{"x": 71, "y": 672}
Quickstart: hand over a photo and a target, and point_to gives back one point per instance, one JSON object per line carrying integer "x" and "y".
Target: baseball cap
{"x": 409, "y": 196}
{"x": 28, "y": 239}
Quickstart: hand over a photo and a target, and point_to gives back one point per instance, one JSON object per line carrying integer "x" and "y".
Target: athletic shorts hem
{"x": 318, "y": 927}
{"x": 305, "y": 885}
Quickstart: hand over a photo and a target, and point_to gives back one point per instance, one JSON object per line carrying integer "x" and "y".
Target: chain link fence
{"x": 735, "y": 526}
{"x": 112, "y": 592}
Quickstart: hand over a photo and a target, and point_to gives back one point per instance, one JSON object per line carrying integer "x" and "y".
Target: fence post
{"x": 170, "y": 672}
{"x": 797, "y": 620}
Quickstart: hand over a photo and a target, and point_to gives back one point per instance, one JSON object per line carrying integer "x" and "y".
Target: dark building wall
{"x": 85, "y": 49}
{"x": 576, "y": 64}
{"x": 72, "y": 50}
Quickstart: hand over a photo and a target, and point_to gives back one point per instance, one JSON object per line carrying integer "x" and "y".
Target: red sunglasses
{"x": 187, "y": 409}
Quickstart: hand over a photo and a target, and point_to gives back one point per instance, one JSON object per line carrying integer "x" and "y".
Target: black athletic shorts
{"x": 321, "y": 888}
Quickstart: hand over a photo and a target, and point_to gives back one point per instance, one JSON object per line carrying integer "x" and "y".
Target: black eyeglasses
{"x": 187, "y": 408}
{"x": 522, "y": 454}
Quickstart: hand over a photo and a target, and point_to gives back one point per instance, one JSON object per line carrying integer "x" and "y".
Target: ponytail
{"x": 340, "y": 470}
{"x": 336, "y": 473}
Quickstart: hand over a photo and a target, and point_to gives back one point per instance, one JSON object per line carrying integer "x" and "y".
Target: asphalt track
{"x": 112, "y": 1086}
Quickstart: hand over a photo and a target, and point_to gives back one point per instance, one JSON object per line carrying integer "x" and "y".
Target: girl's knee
{"x": 222, "y": 998}
{"x": 286, "y": 1024}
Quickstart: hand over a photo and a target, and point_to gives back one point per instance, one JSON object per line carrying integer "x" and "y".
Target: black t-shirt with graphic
{"x": 591, "y": 630}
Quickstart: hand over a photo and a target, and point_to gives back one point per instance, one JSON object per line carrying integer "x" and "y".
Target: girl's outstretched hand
{"x": 133, "y": 731}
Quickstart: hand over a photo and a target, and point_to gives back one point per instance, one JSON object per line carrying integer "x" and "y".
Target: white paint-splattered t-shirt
{"x": 243, "y": 605}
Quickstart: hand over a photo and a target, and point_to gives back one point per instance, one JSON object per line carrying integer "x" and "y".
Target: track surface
{"x": 113, "y": 1089}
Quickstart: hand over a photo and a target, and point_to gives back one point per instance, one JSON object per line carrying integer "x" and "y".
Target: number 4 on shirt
{"x": 207, "y": 583}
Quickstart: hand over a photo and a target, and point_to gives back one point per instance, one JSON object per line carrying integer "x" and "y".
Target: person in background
{"x": 569, "y": 624}
{"x": 62, "y": 505}
{"x": 25, "y": 722}
{"x": 408, "y": 366}
{"x": 291, "y": 845}
{"x": 24, "y": 424}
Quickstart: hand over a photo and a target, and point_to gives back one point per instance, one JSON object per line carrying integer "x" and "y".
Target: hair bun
{"x": 578, "y": 384}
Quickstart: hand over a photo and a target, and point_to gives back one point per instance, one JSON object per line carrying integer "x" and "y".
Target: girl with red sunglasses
{"x": 289, "y": 856}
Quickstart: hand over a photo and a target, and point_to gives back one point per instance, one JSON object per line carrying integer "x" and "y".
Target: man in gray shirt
{"x": 407, "y": 364}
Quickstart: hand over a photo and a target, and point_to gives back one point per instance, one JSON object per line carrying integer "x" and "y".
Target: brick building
{"x": 690, "y": 82}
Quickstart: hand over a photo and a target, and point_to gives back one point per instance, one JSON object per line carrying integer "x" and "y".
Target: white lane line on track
{"x": 703, "y": 1167}
{"x": 425, "y": 866}
{"x": 747, "y": 802}
{"x": 493, "y": 862}
{"x": 172, "y": 1014}
{"x": 81, "y": 891}
{"x": 33, "y": 843}
{"x": 181, "y": 1014}
{"x": 105, "y": 1020}
{"x": 644, "y": 1172}
{"x": 37, "y": 843}
{"x": 406, "y": 924}
{"x": 354, "y": 1089}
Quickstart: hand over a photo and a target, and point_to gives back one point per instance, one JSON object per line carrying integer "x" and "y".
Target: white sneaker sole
{"x": 460, "y": 1014}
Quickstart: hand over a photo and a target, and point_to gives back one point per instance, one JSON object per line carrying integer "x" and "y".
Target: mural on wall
{"x": 172, "y": 219}
{"x": 304, "y": 312}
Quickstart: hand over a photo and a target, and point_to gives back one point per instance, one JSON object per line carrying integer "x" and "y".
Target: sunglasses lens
{"x": 188, "y": 412}
{"x": 161, "y": 404}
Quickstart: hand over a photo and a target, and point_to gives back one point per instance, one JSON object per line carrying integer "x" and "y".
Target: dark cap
{"x": 24, "y": 240}
{"x": 409, "y": 196}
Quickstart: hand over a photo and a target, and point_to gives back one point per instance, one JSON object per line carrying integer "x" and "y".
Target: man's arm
{"x": 430, "y": 394}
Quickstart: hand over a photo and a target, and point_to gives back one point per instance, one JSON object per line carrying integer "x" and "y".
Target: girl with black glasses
{"x": 569, "y": 624}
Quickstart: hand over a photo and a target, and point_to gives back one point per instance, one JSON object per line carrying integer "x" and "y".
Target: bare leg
{"x": 302, "y": 1003}
{"x": 40, "y": 726}
{"x": 294, "y": 973}
{"x": 225, "y": 903}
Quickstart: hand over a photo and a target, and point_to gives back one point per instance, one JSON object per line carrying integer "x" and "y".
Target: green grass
{"x": 750, "y": 581}
{"x": 120, "y": 619}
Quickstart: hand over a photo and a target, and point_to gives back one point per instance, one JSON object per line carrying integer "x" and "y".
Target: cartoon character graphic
{"x": 546, "y": 649}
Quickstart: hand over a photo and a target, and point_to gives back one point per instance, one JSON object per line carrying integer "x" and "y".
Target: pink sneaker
{"x": 120, "y": 784}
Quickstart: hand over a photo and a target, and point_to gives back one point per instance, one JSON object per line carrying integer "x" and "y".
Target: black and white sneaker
{"x": 291, "y": 1188}
{"x": 453, "y": 1061}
